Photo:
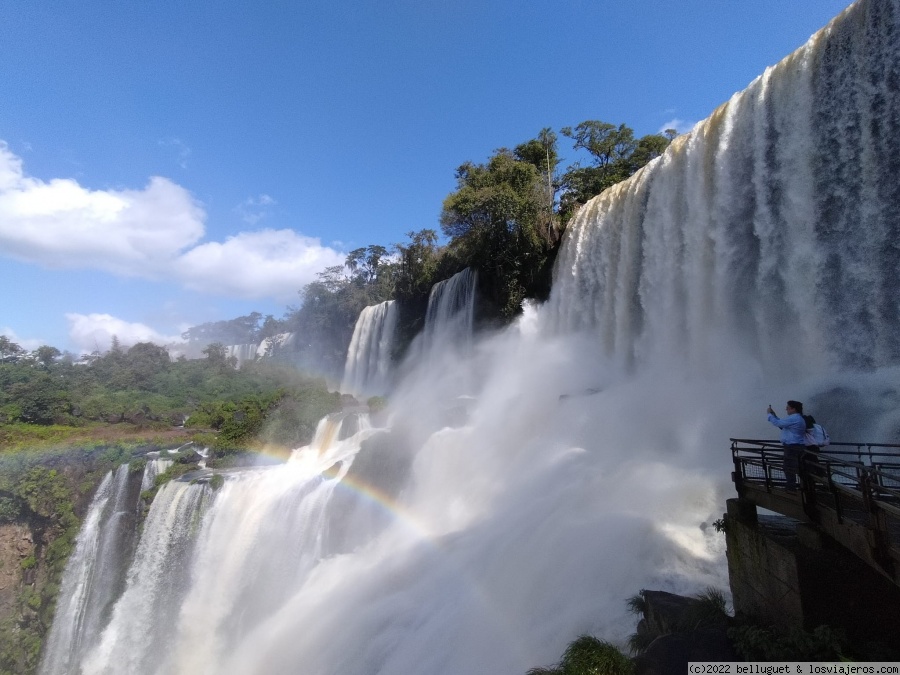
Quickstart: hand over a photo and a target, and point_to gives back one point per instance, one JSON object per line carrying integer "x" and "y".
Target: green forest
{"x": 46, "y": 396}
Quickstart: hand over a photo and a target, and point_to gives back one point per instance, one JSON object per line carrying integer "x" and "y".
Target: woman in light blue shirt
{"x": 793, "y": 430}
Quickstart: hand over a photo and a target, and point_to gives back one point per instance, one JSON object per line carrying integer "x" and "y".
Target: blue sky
{"x": 166, "y": 163}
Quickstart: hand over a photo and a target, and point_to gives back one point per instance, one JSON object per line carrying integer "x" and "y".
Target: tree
{"x": 271, "y": 327}
{"x": 417, "y": 263}
{"x": 9, "y": 350}
{"x": 364, "y": 263}
{"x": 216, "y": 354}
{"x": 615, "y": 155}
{"x": 46, "y": 355}
{"x": 542, "y": 153}
{"x": 648, "y": 148}
{"x": 145, "y": 360}
{"x": 493, "y": 220}
{"x": 604, "y": 141}
{"x": 238, "y": 331}
{"x": 40, "y": 399}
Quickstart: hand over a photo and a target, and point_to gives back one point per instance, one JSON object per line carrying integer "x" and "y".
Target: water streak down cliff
{"x": 94, "y": 574}
{"x": 451, "y": 310}
{"x": 368, "y": 367}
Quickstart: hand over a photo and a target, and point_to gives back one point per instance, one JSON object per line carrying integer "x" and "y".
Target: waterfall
{"x": 754, "y": 262}
{"x": 367, "y": 369}
{"x": 770, "y": 228}
{"x": 155, "y": 466}
{"x": 243, "y": 353}
{"x": 271, "y": 346}
{"x": 451, "y": 310}
{"x": 261, "y": 533}
{"x": 94, "y": 573}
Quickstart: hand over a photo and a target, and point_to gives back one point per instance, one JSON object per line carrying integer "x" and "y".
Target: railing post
{"x": 806, "y": 472}
{"x": 738, "y": 474}
{"x": 835, "y": 493}
{"x": 877, "y": 527}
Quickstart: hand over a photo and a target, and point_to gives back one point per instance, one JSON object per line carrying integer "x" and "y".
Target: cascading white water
{"x": 154, "y": 467}
{"x": 368, "y": 367}
{"x": 94, "y": 574}
{"x": 451, "y": 310}
{"x": 243, "y": 353}
{"x": 135, "y": 640}
{"x": 754, "y": 262}
{"x": 771, "y": 229}
{"x": 265, "y": 531}
{"x": 271, "y": 346}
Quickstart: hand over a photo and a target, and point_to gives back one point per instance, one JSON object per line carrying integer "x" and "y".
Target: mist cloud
{"x": 154, "y": 233}
{"x": 94, "y": 332}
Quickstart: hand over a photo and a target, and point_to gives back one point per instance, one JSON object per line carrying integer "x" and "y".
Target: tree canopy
{"x": 615, "y": 154}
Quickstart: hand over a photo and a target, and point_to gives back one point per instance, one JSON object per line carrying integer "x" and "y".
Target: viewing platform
{"x": 848, "y": 491}
{"x": 832, "y": 556}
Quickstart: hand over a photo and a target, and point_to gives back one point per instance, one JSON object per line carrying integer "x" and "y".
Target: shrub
{"x": 588, "y": 655}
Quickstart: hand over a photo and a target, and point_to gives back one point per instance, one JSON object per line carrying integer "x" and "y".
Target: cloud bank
{"x": 154, "y": 233}
{"x": 94, "y": 332}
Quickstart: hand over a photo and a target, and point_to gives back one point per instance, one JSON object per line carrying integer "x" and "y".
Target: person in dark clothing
{"x": 793, "y": 432}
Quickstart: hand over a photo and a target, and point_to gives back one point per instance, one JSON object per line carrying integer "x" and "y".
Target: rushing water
{"x": 154, "y": 467}
{"x": 449, "y": 317}
{"x": 525, "y": 487}
{"x": 368, "y": 367}
{"x": 241, "y": 353}
{"x": 95, "y": 572}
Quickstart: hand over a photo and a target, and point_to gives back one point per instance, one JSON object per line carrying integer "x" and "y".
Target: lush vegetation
{"x": 52, "y": 400}
{"x": 588, "y": 655}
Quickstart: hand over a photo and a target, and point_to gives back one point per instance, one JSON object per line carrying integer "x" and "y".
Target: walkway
{"x": 850, "y": 491}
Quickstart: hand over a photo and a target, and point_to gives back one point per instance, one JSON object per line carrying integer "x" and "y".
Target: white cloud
{"x": 154, "y": 233}
{"x": 93, "y": 332}
{"x": 25, "y": 343}
{"x": 679, "y": 125}
{"x": 61, "y": 224}
{"x": 272, "y": 263}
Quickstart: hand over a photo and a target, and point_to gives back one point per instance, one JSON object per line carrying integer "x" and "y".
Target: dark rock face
{"x": 664, "y": 611}
{"x": 670, "y": 654}
{"x": 684, "y": 635}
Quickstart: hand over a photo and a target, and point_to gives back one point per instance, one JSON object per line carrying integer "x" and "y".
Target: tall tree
{"x": 9, "y": 350}
{"x": 542, "y": 153}
{"x": 615, "y": 155}
{"x": 493, "y": 220}
{"x": 417, "y": 263}
{"x": 365, "y": 263}
{"x": 46, "y": 355}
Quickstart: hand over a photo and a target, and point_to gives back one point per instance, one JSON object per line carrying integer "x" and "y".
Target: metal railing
{"x": 851, "y": 491}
